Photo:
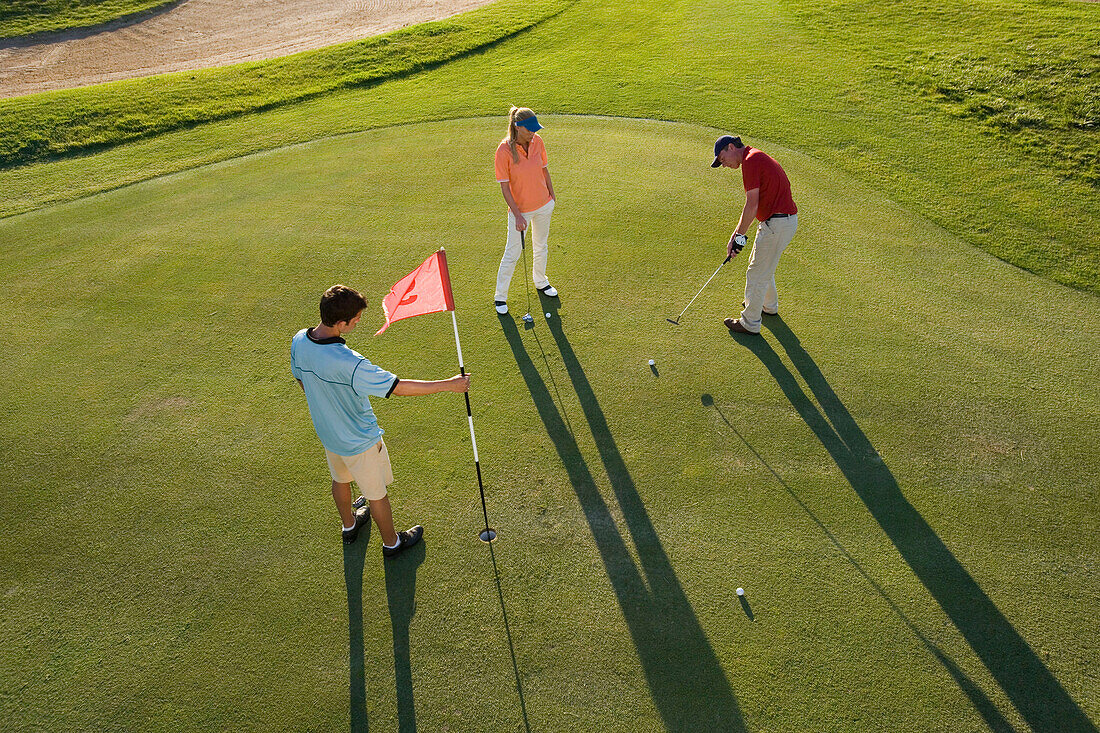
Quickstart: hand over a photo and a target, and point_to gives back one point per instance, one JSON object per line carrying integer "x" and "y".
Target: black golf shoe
{"x": 362, "y": 519}
{"x": 408, "y": 538}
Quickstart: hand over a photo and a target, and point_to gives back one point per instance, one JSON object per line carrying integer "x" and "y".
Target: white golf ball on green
{"x": 651, "y": 362}
{"x": 547, "y": 315}
{"x": 740, "y": 591}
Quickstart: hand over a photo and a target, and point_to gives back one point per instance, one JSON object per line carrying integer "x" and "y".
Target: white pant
{"x": 772, "y": 237}
{"x": 538, "y": 231}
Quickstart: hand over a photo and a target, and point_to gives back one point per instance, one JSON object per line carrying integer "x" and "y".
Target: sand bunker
{"x": 195, "y": 34}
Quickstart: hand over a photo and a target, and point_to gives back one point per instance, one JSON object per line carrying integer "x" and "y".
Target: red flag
{"x": 427, "y": 289}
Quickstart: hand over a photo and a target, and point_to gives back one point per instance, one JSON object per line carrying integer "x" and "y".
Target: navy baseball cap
{"x": 721, "y": 144}
{"x": 531, "y": 123}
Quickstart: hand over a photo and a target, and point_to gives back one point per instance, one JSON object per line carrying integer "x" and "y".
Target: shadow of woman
{"x": 685, "y": 679}
{"x": 1032, "y": 688}
{"x": 401, "y": 597}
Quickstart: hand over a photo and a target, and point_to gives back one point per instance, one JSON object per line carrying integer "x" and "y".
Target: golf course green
{"x": 901, "y": 472}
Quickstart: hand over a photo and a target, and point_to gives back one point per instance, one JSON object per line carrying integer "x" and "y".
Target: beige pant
{"x": 538, "y": 231}
{"x": 772, "y": 237}
{"x": 370, "y": 470}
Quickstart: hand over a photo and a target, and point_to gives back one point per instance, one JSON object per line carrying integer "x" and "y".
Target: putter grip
{"x": 728, "y": 258}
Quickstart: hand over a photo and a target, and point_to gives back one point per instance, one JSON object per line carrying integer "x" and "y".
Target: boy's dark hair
{"x": 341, "y": 303}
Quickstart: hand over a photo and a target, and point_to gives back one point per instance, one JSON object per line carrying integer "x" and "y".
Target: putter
{"x": 677, "y": 321}
{"x": 526, "y": 286}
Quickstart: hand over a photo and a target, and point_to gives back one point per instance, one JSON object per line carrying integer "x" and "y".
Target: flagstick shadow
{"x": 985, "y": 707}
{"x": 508, "y": 633}
{"x": 401, "y": 598}
{"x": 354, "y": 560}
{"x": 1037, "y": 695}
{"x": 685, "y": 678}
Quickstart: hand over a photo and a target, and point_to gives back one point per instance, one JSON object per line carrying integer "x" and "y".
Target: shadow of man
{"x": 354, "y": 560}
{"x": 985, "y": 707}
{"x": 1031, "y": 687}
{"x": 401, "y": 597}
{"x": 685, "y": 679}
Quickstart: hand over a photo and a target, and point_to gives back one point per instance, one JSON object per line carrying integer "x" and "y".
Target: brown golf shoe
{"x": 734, "y": 324}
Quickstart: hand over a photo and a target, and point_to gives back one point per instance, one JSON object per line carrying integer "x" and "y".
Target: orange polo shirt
{"x": 524, "y": 178}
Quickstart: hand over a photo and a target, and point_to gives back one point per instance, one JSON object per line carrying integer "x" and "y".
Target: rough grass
{"x": 51, "y": 124}
{"x": 1028, "y": 74}
{"x": 24, "y": 17}
{"x": 903, "y": 480}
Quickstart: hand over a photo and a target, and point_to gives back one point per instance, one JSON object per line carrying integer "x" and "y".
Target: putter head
{"x": 674, "y": 323}
{"x": 528, "y": 318}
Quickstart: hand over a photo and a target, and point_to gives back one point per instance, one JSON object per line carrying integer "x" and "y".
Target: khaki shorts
{"x": 370, "y": 470}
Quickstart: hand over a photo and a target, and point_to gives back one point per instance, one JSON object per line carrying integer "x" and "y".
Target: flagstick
{"x": 487, "y": 535}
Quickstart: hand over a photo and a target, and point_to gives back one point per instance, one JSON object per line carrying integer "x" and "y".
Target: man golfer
{"x": 337, "y": 382}
{"x": 768, "y": 200}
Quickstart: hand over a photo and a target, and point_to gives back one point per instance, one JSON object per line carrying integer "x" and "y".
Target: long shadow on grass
{"x": 511, "y": 646}
{"x": 401, "y": 597}
{"x": 354, "y": 559}
{"x": 993, "y": 717}
{"x": 1031, "y": 687}
{"x": 685, "y": 679}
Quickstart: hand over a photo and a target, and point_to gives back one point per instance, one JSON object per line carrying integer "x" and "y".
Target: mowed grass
{"x": 982, "y": 117}
{"x": 24, "y": 17}
{"x": 901, "y": 473}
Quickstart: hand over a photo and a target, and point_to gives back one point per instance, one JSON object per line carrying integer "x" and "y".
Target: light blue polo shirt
{"x": 338, "y": 382}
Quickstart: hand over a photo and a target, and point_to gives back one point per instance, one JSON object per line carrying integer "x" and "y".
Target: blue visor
{"x": 531, "y": 123}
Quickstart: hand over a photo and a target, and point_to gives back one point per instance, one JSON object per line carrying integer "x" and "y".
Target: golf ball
{"x": 651, "y": 362}
{"x": 740, "y": 591}
{"x": 547, "y": 315}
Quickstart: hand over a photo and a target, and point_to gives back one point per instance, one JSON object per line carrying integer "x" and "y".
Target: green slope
{"x": 905, "y": 97}
{"x": 900, "y": 473}
{"x": 24, "y": 17}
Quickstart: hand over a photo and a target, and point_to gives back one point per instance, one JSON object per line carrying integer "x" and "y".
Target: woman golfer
{"x": 524, "y": 179}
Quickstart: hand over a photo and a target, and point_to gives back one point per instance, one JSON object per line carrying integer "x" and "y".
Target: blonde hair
{"x": 514, "y": 115}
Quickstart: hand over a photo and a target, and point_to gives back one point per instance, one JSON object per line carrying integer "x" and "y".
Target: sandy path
{"x": 202, "y": 33}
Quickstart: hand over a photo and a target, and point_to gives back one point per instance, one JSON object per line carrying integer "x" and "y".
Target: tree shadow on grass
{"x": 1032, "y": 688}
{"x": 685, "y": 678}
{"x": 401, "y": 597}
{"x": 354, "y": 559}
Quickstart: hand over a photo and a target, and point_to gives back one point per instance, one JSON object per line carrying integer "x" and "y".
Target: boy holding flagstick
{"x": 337, "y": 382}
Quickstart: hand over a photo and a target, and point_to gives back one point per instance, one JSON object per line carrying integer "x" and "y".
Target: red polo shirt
{"x": 759, "y": 170}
